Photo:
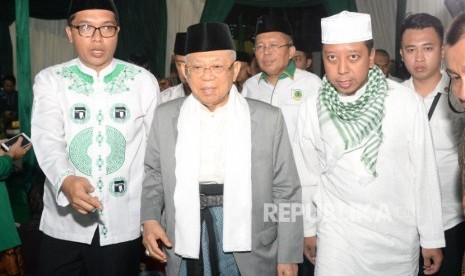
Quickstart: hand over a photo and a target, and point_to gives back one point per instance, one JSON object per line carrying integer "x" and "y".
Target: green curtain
{"x": 143, "y": 31}
{"x": 218, "y": 10}
{"x": 24, "y": 88}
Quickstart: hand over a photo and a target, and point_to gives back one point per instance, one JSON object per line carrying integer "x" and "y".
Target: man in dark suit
{"x": 221, "y": 170}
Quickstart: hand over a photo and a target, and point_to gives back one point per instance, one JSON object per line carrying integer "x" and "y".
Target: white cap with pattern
{"x": 346, "y": 27}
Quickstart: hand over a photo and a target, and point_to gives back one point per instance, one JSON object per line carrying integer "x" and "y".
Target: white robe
{"x": 366, "y": 225}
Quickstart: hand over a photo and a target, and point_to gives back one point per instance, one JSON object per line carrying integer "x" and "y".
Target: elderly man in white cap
{"x": 220, "y": 168}
{"x": 366, "y": 162}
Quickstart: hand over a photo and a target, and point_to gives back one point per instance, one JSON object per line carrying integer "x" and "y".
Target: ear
{"x": 442, "y": 51}
{"x": 236, "y": 68}
{"x": 69, "y": 34}
{"x": 309, "y": 62}
{"x": 291, "y": 52}
{"x": 401, "y": 56}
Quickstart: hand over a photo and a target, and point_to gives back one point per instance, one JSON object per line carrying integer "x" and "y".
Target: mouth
{"x": 420, "y": 68}
{"x": 97, "y": 52}
{"x": 344, "y": 84}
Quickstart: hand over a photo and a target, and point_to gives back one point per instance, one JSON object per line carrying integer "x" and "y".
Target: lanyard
{"x": 433, "y": 105}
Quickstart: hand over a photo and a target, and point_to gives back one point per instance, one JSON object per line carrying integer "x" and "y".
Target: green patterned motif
{"x": 99, "y": 162}
{"x": 100, "y": 184}
{"x": 103, "y": 230}
{"x": 116, "y": 80}
{"x": 100, "y": 139}
{"x": 117, "y": 145}
{"x": 100, "y": 117}
{"x": 78, "y": 151}
{"x": 80, "y": 81}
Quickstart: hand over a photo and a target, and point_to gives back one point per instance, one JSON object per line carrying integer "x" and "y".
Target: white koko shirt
{"x": 293, "y": 87}
{"x": 94, "y": 126}
{"x": 367, "y": 225}
{"x": 446, "y": 128}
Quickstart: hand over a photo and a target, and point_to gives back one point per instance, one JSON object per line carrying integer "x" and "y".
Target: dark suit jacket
{"x": 274, "y": 180}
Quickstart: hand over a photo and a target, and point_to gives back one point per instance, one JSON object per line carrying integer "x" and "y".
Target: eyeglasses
{"x": 89, "y": 30}
{"x": 454, "y": 103}
{"x": 214, "y": 69}
{"x": 271, "y": 48}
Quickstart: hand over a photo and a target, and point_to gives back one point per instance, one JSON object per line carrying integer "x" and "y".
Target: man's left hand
{"x": 287, "y": 269}
{"x": 432, "y": 258}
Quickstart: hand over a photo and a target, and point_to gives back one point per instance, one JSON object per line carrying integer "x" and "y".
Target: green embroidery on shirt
{"x": 100, "y": 139}
{"x": 100, "y": 117}
{"x": 116, "y": 80}
{"x": 99, "y": 162}
{"x": 103, "y": 230}
{"x": 80, "y": 81}
{"x": 78, "y": 151}
{"x": 120, "y": 113}
{"x": 79, "y": 113}
{"x": 100, "y": 184}
{"x": 117, "y": 143}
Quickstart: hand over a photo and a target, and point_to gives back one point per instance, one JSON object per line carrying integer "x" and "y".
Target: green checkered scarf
{"x": 358, "y": 121}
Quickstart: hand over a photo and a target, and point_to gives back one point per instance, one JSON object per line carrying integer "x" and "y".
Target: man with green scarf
{"x": 365, "y": 158}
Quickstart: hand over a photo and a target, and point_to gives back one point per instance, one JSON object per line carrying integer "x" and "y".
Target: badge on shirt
{"x": 79, "y": 113}
{"x": 297, "y": 94}
{"x": 118, "y": 187}
{"x": 119, "y": 113}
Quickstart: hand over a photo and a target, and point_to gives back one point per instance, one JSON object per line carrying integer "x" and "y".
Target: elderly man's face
{"x": 347, "y": 65}
{"x": 455, "y": 62}
{"x": 210, "y": 76}
{"x": 273, "y": 52}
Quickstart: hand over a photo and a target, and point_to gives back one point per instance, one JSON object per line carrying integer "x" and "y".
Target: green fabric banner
{"x": 24, "y": 87}
{"x": 218, "y": 10}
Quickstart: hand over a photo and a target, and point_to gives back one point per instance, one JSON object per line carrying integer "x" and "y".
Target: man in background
{"x": 179, "y": 57}
{"x": 280, "y": 84}
{"x": 421, "y": 50}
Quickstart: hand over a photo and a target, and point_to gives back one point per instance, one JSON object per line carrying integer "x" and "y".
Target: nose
{"x": 419, "y": 55}
{"x": 342, "y": 67}
{"x": 97, "y": 36}
{"x": 207, "y": 76}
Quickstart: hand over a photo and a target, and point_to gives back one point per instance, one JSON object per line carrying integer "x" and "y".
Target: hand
{"x": 77, "y": 189}
{"x": 16, "y": 151}
{"x": 287, "y": 269}
{"x": 310, "y": 249}
{"x": 153, "y": 232}
{"x": 432, "y": 260}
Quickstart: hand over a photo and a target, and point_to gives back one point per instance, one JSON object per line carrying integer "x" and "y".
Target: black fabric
{"x": 302, "y": 45}
{"x": 180, "y": 44}
{"x": 60, "y": 257}
{"x": 80, "y": 5}
{"x": 271, "y": 23}
{"x": 433, "y": 105}
{"x": 452, "y": 253}
{"x": 243, "y": 56}
{"x": 205, "y": 37}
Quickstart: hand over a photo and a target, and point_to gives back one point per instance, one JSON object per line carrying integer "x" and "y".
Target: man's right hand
{"x": 310, "y": 249}
{"x": 77, "y": 189}
{"x": 152, "y": 233}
